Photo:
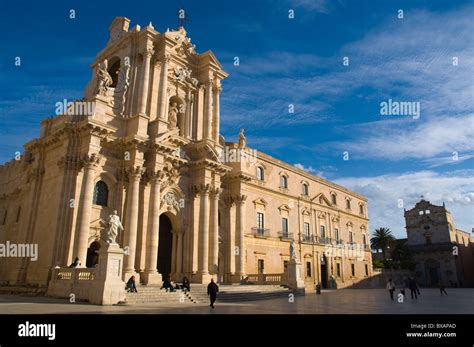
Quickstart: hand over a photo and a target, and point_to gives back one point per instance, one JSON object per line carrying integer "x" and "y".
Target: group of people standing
{"x": 411, "y": 284}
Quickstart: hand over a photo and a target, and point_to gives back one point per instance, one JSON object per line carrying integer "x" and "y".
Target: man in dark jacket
{"x": 212, "y": 290}
{"x": 413, "y": 288}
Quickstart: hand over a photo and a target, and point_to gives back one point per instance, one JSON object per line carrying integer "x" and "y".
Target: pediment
{"x": 284, "y": 207}
{"x": 321, "y": 199}
{"x": 261, "y": 202}
{"x": 99, "y": 223}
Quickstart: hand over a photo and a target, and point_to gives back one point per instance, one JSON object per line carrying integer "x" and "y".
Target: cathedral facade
{"x": 144, "y": 144}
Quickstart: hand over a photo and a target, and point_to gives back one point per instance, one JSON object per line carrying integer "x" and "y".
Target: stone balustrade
{"x": 270, "y": 279}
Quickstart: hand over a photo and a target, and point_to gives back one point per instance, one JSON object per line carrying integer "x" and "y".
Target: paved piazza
{"x": 357, "y": 301}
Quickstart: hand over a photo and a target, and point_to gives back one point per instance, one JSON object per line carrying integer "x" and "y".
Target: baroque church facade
{"x": 190, "y": 203}
{"x": 441, "y": 251}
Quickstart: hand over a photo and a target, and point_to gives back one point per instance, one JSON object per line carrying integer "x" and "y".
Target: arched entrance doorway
{"x": 165, "y": 246}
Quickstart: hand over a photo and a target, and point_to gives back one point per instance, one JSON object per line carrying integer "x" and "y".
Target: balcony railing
{"x": 308, "y": 238}
{"x": 285, "y": 235}
{"x": 260, "y": 232}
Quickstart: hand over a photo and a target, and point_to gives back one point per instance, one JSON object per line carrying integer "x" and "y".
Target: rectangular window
{"x": 364, "y": 239}
{"x": 336, "y": 234}
{"x": 366, "y": 270}
{"x": 285, "y": 265}
{"x": 308, "y": 269}
{"x": 284, "y": 226}
{"x": 323, "y": 231}
{"x": 306, "y": 231}
{"x": 260, "y": 221}
{"x": 351, "y": 238}
{"x": 18, "y": 214}
{"x": 338, "y": 270}
{"x": 361, "y": 209}
{"x": 353, "y": 270}
{"x": 348, "y": 204}
{"x": 5, "y": 217}
{"x": 261, "y": 266}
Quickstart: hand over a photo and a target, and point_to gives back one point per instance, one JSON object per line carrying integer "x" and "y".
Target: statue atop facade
{"x": 103, "y": 78}
{"x": 173, "y": 116}
{"x": 113, "y": 227}
{"x": 122, "y": 87}
{"x": 242, "y": 139}
{"x": 292, "y": 250}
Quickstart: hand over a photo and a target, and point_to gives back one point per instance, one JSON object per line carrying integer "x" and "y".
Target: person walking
{"x": 442, "y": 289}
{"x": 212, "y": 290}
{"x": 390, "y": 288}
{"x": 413, "y": 288}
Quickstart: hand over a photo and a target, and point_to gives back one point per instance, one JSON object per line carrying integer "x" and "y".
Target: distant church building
{"x": 190, "y": 203}
{"x": 441, "y": 252}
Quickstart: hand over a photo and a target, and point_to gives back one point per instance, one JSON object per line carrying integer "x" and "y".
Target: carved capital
{"x": 135, "y": 172}
{"x": 148, "y": 53}
{"x": 240, "y": 199}
{"x": 156, "y": 177}
{"x": 91, "y": 161}
{"x": 215, "y": 192}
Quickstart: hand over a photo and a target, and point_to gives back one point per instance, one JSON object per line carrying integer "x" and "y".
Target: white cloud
{"x": 433, "y": 139}
{"x": 455, "y": 188}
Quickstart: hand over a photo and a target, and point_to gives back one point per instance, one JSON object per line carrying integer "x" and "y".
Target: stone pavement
{"x": 346, "y": 301}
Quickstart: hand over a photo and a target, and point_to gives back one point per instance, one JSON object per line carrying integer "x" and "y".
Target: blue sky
{"x": 288, "y": 61}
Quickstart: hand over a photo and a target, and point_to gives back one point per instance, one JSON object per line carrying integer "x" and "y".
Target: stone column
{"x": 85, "y": 208}
{"x": 240, "y": 231}
{"x": 151, "y": 275}
{"x": 164, "y": 86}
{"x": 145, "y": 79}
{"x": 230, "y": 236}
{"x": 130, "y": 228}
{"x": 217, "y": 92}
{"x": 208, "y": 112}
{"x": 204, "y": 234}
{"x": 179, "y": 254}
{"x": 214, "y": 231}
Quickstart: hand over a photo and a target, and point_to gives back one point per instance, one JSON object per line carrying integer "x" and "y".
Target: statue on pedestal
{"x": 103, "y": 78}
{"x": 173, "y": 116}
{"x": 113, "y": 227}
{"x": 292, "y": 250}
{"x": 242, "y": 139}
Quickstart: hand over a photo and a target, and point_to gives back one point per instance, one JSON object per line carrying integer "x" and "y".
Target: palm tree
{"x": 382, "y": 239}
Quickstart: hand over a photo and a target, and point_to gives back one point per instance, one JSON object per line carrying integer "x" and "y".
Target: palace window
{"x": 285, "y": 265}
{"x": 366, "y": 270}
{"x": 261, "y": 266}
{"x": 283, "y": 182}
{"x": 364, "y": 239}
{"x": 353, "y": 270}
{"x": 334, "y": 199}
{"x": 351, "y": 237}
{"x": 322, "y": 231}
{"x": 348, "y": 204}
{"x": 361, "y": 209}
{"x": 260, "y": 173}
{"x": 305, "y": 189}
{"x": 260, "y": 221}
{"x": 336, "y": 234}
{"x": 338, "y": 270}
{"x": 308, "y": 269}
{"x": 101, "y": 194}
{"x": 306, "y": 231}
{"x": 284, "y": 226}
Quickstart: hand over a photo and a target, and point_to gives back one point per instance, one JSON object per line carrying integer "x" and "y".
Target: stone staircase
{"x": 153, "y": 294}
{"x": 198, "y": 294}
{"x": 239, "y": 293}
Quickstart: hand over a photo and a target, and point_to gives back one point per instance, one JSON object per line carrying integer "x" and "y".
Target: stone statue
{"x": 173, "y": 116}
{"x": 292, "y": 250}
{"x": 114, "y": 225}
{"x": 103, "y": 78}
{"x": 122, "y": 87}
{"x": 242, "y": 139}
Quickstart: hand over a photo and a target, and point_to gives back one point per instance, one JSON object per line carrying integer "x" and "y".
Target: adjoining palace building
{"x": 190, "y": 203}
